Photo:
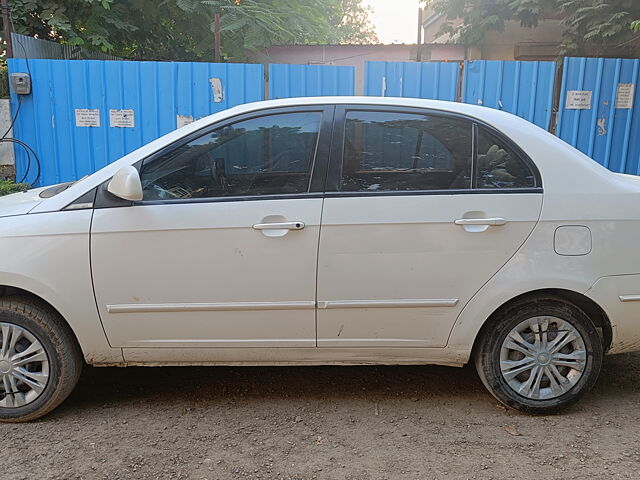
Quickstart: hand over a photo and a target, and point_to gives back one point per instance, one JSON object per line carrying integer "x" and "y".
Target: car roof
{"x": 476, "y": 111}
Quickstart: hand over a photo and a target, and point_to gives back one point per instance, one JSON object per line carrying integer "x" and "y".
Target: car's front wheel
{"x": 539, "y": 356}
{"x": 40, "y": 360}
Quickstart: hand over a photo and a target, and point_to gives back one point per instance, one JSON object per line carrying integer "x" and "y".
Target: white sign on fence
{"x": 87, "y": 117}
{"x": 624, "y": 95}
{"x": 579, "y": 99}
{"x": 183, "y": 120}
{"x": 122, "y": 118}
{"x": 216, "y": 89}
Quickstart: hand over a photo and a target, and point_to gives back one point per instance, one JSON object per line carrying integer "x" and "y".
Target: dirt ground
{"x": 322, "y": 423}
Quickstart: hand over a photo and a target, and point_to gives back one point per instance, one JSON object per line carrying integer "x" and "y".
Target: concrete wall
{"x": 7, "y": 157}
{"x": 514, "y": 43}
{"x": 522, "y": 43}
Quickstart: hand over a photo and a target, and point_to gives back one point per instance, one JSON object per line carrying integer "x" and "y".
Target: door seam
{"x": 324, "y": 191}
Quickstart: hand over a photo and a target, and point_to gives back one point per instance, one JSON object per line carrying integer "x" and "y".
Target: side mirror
{"x": 126, "y": 184}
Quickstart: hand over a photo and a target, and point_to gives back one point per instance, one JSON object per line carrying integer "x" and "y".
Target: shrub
{"x": 7, "y": 187}
{"x": 4, "y": 81}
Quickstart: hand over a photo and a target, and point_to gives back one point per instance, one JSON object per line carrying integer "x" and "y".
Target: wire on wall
{"x": 4, "y": 139}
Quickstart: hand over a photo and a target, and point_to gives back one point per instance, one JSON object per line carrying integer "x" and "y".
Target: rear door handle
{"x": 491, "y": 222}
{"x": 279, "y": 226}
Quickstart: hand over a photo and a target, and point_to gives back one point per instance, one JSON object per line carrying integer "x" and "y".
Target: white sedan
{"x": 333, "y": 230}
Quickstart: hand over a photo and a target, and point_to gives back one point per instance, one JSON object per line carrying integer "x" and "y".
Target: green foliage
{"x": 183, "y": 29}
{"x": 4, "y": 81}
{"x": 255, "y": 24}
{"x": 251, "y": 25}
{"x": 599, "y": 24}
{"x": 593, "y": 25}
{"x": 142, "y": 29}
{"x": 352, "y": 24}
{"x": 75, "y": 22}
{"x": 7, "y": 187}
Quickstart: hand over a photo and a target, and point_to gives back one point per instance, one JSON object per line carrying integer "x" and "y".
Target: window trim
{"x": 422, "y": 193}
{"x": 334, "y": 174}
{"x": 474, "y": 156}
{"x": 316, "y": 177}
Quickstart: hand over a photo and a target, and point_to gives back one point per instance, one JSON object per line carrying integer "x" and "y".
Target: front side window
{"x": 498, "y": 166}
{"x": 392, "y": 151}
{"x": 267, "y": 155}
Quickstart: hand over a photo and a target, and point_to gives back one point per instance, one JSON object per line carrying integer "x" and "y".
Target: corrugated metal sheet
{"x": 29, "y": 47}
{"x": 522, "y": 88}
{"x": 433, "y": 80}
{"x": 606, "y": 128}
{"x": 286, "y": 81}
{"x": 160, "y": 94}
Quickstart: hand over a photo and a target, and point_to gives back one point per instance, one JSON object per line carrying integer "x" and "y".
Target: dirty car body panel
{"x": 291, "y": 232}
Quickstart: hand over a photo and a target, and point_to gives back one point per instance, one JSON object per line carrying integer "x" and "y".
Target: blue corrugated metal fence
{"x": 84, "y": 114}
{"x": 599, "y": 112}
{"x": 433, "y": 80}
{"x": 522, "y": 88}
{"x": 286, "y": 81}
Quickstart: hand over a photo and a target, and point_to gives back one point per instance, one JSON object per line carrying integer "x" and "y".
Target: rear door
{"x": 422, "y": 208}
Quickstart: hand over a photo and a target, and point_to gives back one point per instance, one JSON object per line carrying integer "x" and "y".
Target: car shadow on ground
{"x": 209, "y": 385}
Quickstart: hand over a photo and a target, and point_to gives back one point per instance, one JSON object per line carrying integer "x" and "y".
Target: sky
{"x": 396, "y": 21}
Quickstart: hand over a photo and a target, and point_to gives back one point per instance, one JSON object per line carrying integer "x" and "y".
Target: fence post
{"x": 461, "y": 84}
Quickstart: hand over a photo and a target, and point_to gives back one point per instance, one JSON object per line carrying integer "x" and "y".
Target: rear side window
{"x": 268, "y": 155}
{"x": 394, "y": 151}
{"x": 498, "y": 166}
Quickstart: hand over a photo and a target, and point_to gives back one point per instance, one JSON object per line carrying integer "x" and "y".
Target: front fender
{"x": 47, "y": 255}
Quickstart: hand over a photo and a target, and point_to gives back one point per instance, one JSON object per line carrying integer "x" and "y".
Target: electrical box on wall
{"x": 20, "y": 83}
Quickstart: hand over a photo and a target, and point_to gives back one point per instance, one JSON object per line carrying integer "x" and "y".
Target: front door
{"x": 222, "y": 250}
{"x": 421, "y": 210}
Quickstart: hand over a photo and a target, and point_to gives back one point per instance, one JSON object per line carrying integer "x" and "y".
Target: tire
{"x": 506, "y": 365}
{"x": 52, "y": 375}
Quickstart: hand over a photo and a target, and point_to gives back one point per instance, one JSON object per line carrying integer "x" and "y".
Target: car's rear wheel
{"x": 40, "y": 360}
{"x": 539, "y": 356}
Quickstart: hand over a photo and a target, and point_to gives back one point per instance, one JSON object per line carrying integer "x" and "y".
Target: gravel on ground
{"x": 303, "y": 423}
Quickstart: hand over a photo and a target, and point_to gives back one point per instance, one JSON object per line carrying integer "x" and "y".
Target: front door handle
{"x": 279, "y": 226}
{"x": 491, "y": 222}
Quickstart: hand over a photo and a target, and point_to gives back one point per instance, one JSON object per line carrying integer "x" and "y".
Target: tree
{"x": 599, "y": 24}
{"x": 256, "y": 24}
{"x": 352, "y": 23}
{"x": 140, "y": 29}
{"x": 589, "y": 25}
{"x": 183, "y": 29}
{"x": 74, "y": 22}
